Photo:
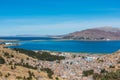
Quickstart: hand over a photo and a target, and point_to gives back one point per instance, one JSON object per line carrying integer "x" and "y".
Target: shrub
{"x": 96, "y": 76}
{"x": 7, "y": 75}
{"x": 19, "y": 77}
{"x": 49, "y": 72}
{"x": 26, "y": 65}
{"x": 0, "y": 74}
{"x": 88, "y": 72}
{"x": 107, "y": 76}
{"x": 57, "y": 78}
{"x": 2, "y": 61}
{"x": 40, "y": 55}
{"x": 111, "y": 66}
{"x": 103, "y": 71}
{"x": 6, "y": 54}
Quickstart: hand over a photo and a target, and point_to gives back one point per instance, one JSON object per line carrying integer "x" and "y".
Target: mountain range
{"x": 101, "y": 33}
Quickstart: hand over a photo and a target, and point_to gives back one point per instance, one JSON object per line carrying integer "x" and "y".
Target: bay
{"x": 52, "y": 44}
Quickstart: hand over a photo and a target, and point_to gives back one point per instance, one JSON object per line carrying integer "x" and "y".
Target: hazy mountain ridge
{"x": 102, "y": 33}
{"x": 109, "y": 29}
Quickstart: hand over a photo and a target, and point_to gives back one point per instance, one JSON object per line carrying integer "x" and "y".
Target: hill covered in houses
{"x": 21, "y": 64}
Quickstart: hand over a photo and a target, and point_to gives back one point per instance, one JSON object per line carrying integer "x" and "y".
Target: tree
{"x": 88, "y": 72}
{"x": 2, "y": 61}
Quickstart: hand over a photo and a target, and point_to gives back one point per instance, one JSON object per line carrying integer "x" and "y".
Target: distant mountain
{"x": 27, "y": 35}
{"x": 109, "y": 29}
{"x": 102, "y": 33}
{"x": 50, "y": 36}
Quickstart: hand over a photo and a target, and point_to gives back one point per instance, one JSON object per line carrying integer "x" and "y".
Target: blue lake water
{"x": 67, "y": 45}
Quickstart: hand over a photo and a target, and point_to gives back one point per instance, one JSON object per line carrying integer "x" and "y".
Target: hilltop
{"x": 101, "y": 33}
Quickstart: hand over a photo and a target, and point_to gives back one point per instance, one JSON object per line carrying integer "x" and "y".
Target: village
{"x": 69, "y": 68}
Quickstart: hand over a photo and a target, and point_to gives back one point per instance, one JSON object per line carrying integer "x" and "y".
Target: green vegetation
{"x": 40, "y": 55}
{"x": 88, "y": 72}
{"x": 100, "y": 60}
{"x": 49, "y": 72}
{"x": 103, "y": 71}
{"x": 2, "y": 61}
{"x": 31, "y": 76}
{"x": 111, "y": 66}
{"x": 19, "y": 78}
{"x": 13, "y": 67}
{"x": 57, "y": 78}
{"x": 26, "y": 65}
{"x": 7, "y": 75}
{"x": 6, "y": 54}
{"x": 107, "y": 76}
{"x": 0, "y": 74}
{"x": 104, "y": 75}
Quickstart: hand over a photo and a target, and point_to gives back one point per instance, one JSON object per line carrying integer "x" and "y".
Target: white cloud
{"x": 62, "y": 27}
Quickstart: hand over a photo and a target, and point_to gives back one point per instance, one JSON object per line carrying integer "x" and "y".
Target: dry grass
{"x": 5, "y": 69}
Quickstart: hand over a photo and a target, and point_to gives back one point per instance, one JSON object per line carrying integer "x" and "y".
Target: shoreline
{"x": 72, "y": 54}
{"x": 76, "y": 53}
{"x": 54, "y": 39}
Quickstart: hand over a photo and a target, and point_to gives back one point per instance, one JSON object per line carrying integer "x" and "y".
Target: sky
{"x": 56, "y": 17}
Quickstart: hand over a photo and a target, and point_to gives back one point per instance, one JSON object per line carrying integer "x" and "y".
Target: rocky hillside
{"x": 16, "y": 64}
{"x": 102, "y": 33}
{"x": 21, "y": 64}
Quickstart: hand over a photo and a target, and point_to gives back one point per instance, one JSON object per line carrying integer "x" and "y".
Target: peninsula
{"x": 95, "y": 34}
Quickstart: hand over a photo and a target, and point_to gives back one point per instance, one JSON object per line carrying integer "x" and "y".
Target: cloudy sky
{"x": 52, "y": 17}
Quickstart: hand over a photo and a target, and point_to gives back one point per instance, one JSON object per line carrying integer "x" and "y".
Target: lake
{"x": 52, "y": 44}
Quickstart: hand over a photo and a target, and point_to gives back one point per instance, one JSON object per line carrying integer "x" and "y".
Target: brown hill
{"x": 15, "y": 65}
{"x": 103, "y": 33}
